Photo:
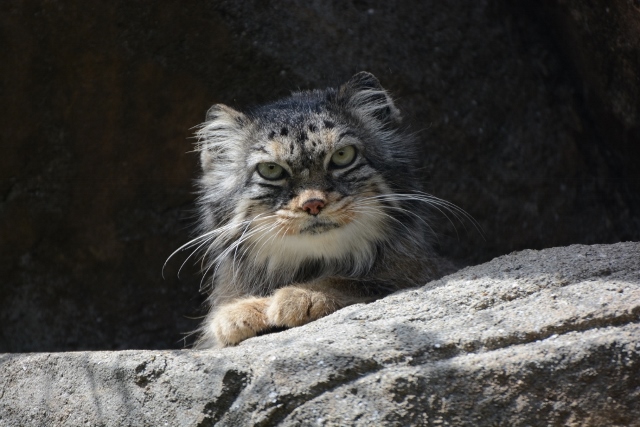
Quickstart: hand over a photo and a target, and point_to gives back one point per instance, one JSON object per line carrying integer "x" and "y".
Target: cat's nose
{"x": 313, "y": 206}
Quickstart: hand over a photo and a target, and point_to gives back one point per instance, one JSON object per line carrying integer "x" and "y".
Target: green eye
{"x": 271, "y": 171}
{"x": 343, "y": 157}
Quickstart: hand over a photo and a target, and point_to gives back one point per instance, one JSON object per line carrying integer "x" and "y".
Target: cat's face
{"x": 312, "y": 189}
{"x": 312, "y": 174}
{"x": 302, "y": 178}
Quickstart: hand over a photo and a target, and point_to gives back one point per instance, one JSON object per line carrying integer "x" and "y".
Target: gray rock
{"x": 546, "y": 337}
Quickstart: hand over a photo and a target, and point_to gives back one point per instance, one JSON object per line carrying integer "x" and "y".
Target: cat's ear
{"x": 221, "y": 132}
{"x": 364, "y": 95}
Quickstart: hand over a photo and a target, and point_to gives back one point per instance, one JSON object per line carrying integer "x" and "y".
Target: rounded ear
{"x": 364, "y": 95}
{"x": 220, "y": 133}
{"x": 218, "y": 111}
{"x": 363, "y": 80}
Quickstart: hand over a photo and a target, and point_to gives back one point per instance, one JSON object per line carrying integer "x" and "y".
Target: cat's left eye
{"x": 271, "y": 171}
{"x": 343, "y": 157}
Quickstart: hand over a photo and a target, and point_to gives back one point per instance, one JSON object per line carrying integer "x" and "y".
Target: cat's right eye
{"x": 343, "y": 157}
{"x": 271, "y": 171}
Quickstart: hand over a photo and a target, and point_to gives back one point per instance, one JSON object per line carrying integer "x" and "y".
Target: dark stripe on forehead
{"x": 328, "y": 124}
{"x": 302, "y": 137}
{"x": 347, "y": 133}
{"x": 261, "y": 149}
{"x": 307, "y": 161}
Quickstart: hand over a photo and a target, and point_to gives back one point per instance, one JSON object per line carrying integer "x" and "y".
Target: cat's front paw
{"x": 239, "y": 320}
{"x": 294, "y": 306}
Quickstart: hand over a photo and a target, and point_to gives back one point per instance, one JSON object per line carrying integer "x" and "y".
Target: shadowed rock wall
{"x": 98, "y": 102}
{"x": 600, "y": 43}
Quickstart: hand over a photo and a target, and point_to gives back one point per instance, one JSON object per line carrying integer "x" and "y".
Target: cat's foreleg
{"x": 291, "y": 306}
{"x": 238, "y": 320}
{"x": 297, "y": 305}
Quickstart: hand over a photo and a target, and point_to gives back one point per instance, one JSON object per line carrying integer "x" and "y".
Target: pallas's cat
{"x": 307, "y": 205}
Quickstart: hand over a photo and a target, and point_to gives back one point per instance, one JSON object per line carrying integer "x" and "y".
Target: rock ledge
{"x": 530, "y": 338}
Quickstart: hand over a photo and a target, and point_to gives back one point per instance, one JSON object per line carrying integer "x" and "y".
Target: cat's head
{"x": 309, "y": 176}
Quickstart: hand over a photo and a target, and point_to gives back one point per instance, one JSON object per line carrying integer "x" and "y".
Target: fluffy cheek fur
{"x": 280, "y": 244}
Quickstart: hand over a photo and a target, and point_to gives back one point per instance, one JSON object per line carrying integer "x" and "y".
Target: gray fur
{"x": 245, "y": 255}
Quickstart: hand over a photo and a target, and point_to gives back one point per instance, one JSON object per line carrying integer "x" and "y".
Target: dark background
{"x": 529, "y": 117}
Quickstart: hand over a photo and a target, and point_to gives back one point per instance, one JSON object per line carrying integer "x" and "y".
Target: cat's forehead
{"x": 299, "y": 129}
{"x": 297, "y": 126}
{"x": 296, "y": 141}
{"x": 306, "y": 111}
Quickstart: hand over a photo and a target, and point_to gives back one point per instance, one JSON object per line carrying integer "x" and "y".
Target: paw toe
{"x": 293, "y": 306}
{"x": 240, "y": 320}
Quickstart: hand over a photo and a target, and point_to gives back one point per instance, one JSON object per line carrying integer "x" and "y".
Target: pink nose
{"x": 313, "y": 206}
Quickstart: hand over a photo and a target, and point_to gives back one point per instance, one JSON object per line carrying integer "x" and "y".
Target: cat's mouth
{"x": 319, "y": 226}
{"x": 294, "y": 224}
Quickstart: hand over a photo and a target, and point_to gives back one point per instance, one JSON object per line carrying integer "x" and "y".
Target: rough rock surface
{"x": 528, "y": 113}
{"x": 546, "y": 337}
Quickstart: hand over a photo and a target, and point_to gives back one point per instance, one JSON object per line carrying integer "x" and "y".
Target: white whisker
{"x": 436, "y": 203}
